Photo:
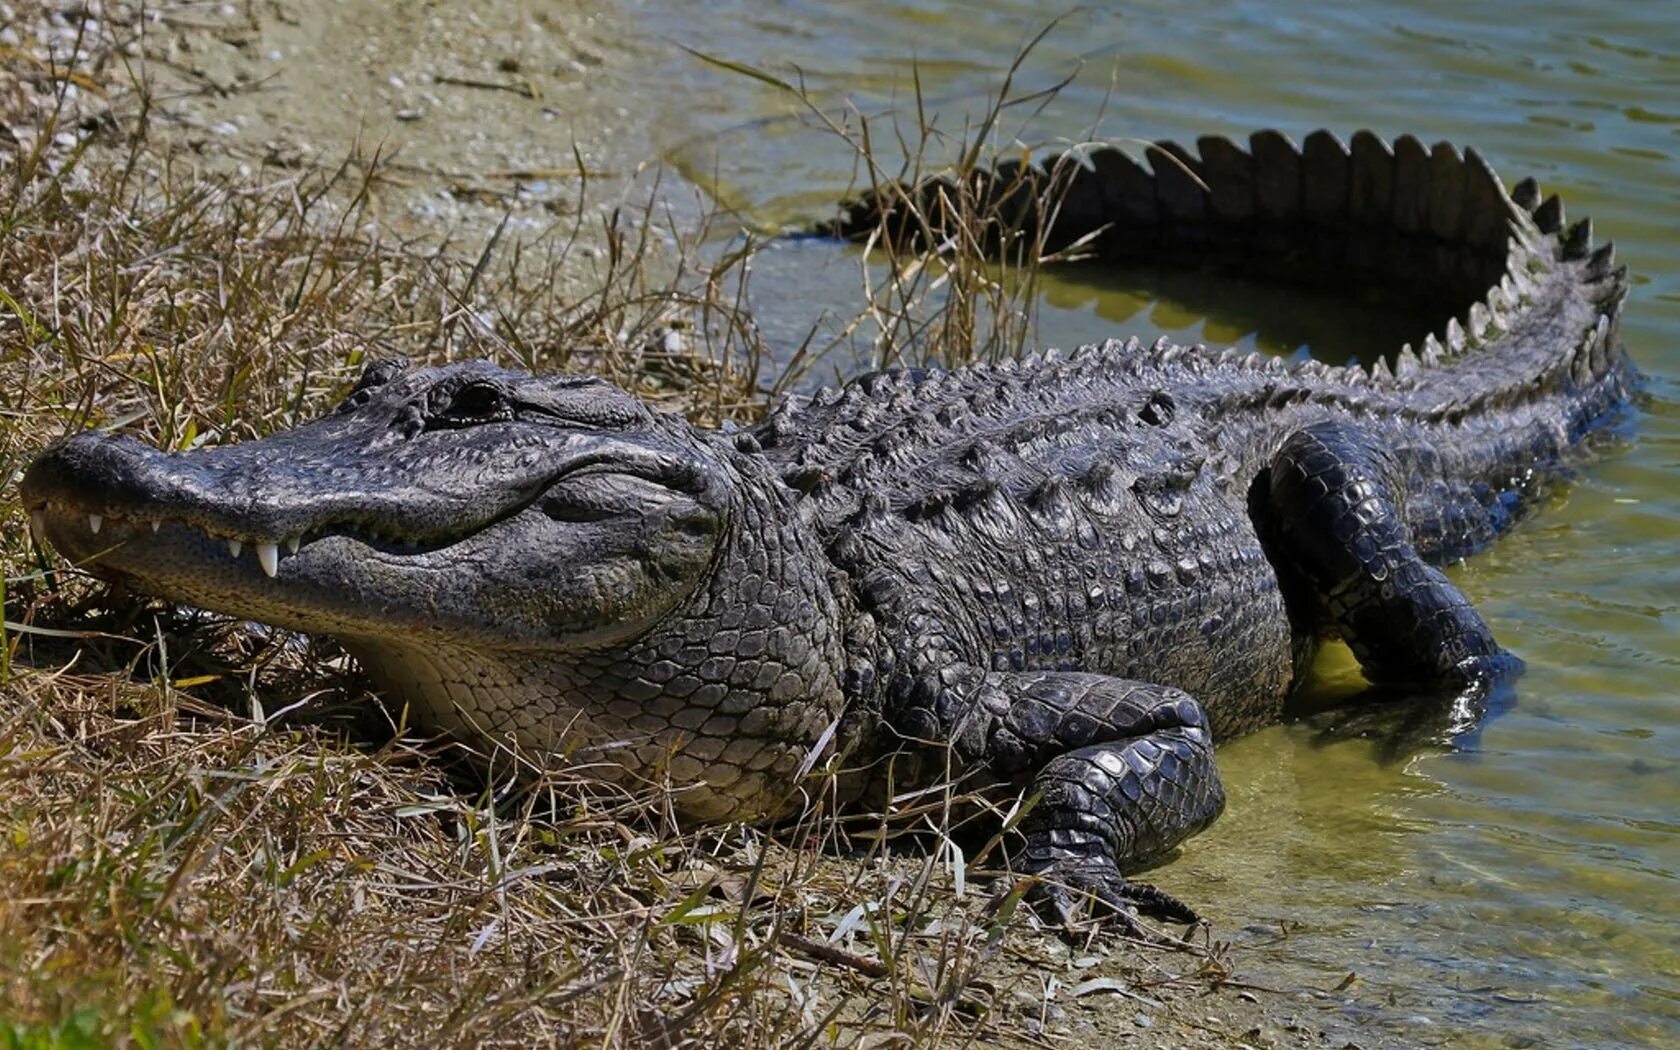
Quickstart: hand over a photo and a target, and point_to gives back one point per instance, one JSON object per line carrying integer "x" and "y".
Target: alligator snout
{"x": 96, "y": 471}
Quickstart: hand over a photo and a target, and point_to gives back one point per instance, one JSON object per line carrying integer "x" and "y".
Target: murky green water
{"x": 1520, "y": 893}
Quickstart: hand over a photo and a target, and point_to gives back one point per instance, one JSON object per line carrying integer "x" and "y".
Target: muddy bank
{"x": 472, "y": 114}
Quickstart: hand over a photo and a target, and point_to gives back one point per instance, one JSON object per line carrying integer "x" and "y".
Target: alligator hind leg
{"x": 1122, "y": 772}
{"x": 1335, "y": 528}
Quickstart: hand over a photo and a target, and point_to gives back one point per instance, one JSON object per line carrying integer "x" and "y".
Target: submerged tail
{"x": 1524, "y": 305}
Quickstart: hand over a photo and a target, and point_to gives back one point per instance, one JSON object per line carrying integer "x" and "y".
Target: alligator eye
{"x": 476, "y": 401}
{"x": 467, "y": 404}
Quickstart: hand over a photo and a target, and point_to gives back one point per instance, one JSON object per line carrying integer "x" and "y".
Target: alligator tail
{"x": 1524, "y": 305}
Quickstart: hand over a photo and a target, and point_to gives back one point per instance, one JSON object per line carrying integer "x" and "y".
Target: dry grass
{"x": 210, "y": 834}
{"x": 954, "y": 226}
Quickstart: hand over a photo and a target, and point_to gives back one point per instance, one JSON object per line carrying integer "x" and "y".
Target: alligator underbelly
{"x": 706, "y": 761}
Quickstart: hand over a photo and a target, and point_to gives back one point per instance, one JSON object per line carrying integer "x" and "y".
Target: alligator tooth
{"x": 268, "y": 556}
{"x": 94, "y": 522}
{"x": 38, "y": 527}
{"x": 292, "y": 544}
{"x": 157, "y": 523}
{"x": 234, "y": 547}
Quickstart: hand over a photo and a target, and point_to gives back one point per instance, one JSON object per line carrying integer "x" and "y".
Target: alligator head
{"x": 531, "y": 562}
{"x": 464, "y": 504}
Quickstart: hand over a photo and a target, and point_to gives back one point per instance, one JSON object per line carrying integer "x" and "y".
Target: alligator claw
{"x": 1066, "y": 888}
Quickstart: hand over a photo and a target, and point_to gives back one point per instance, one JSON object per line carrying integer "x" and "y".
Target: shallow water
{"x": 1519, "y": 892}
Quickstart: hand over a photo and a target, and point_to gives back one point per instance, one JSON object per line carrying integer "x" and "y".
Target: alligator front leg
{"x": 1336, "y": 529}
{"x": 1121, "y": 772}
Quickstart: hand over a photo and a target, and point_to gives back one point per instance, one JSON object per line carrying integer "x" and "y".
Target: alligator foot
{"x": 1073, "y": 890}
{"x": 1121, "y": 772}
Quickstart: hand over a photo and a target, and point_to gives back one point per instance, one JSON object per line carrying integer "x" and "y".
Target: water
{"x": 1520, "y": 893}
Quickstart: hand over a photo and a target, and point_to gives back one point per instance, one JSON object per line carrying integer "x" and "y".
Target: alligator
{"x": 1058, "y": 580}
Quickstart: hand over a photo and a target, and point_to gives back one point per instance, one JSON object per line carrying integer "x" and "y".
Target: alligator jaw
{"x": 118, "y": 505}
{"x": 102, "y": 535}
{"x": 309, "y": 580}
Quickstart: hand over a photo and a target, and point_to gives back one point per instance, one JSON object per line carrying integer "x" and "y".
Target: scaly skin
{"x": 1068, "y": 576}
